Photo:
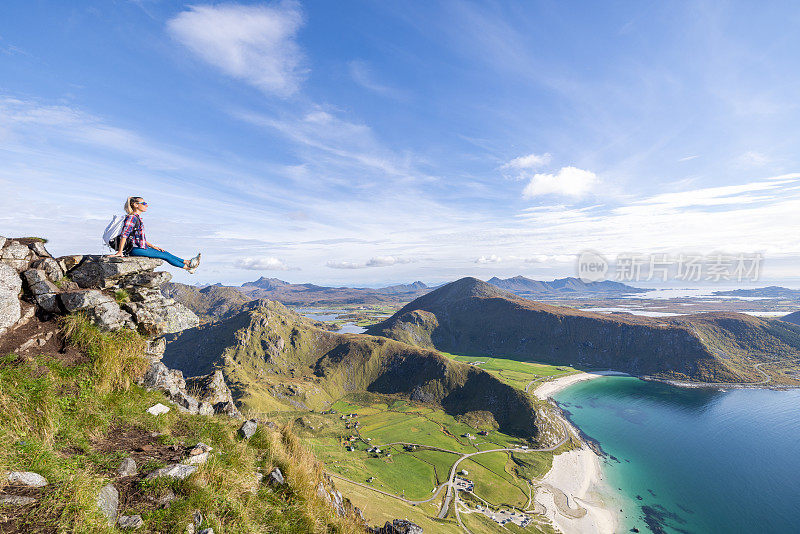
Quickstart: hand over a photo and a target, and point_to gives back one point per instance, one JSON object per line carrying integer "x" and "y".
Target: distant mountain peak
{"x": 570, "y": 284}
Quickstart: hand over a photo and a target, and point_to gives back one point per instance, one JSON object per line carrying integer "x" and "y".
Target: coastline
{"x": 574, "y": 492}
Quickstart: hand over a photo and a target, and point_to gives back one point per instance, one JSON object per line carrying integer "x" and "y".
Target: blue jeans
{"x": 153, "y": 253}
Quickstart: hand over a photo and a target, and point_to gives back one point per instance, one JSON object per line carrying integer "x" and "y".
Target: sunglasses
{"x": 142, "y": 203}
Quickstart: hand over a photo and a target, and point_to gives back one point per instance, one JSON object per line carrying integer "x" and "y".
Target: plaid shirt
{"x": 133, "y": 229}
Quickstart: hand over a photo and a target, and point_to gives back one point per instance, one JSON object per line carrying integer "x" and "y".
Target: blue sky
{"x": 364, "y": 143}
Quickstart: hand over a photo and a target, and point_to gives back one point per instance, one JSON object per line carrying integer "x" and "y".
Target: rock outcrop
{"x": 113, "y": 293}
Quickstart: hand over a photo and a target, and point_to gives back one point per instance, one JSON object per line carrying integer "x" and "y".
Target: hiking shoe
{"x": 194, "y": 262}
{"x": 191, "y": 270}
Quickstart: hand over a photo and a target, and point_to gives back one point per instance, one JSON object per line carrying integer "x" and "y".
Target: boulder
{"x": 160, "y": 377}
{"x": 127, "y": 468}
{"x": 69, "y": 262}
{"x": 16, "y": 500}
{"x": 51, "y": 267}
{"x": 35, "y": 276}
{"x": 155, "y": 348}
{"x": 37, "y": 247}
{"x": 148, "y": 279}
{"x": 82, "y": 299}
{"x": 197, "y": 459}
{"x": 144, "y": 294}
{"x": 248, "y": 428}
{"x": 213, "y": 390}
{"x": 15, "y": 251}
{"x": 200, "y": 448}
{"x": 3, "y": 241}
{"x": 275, "y": 478}
{"x": 108, "y": 502}
{"x": 100, "y": 272}
{"x": 27, "y": 478}
{"x": 171, "y": 382}
{"x": 10, "y": 287}
{"x": 130, "y": 522}
{"x": 158, "y": 409}
{"x": 16, "y": 255}
{"x": 176, "y": 471}
{"x": 109, "y": 316}
{"x": 48, "y": 302}
{"x": 162, "y": 316}
{"x": 398, "y": 526}
{"x": 322, "y": 493}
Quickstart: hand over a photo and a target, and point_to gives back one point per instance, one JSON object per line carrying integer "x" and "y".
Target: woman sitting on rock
{"x": 133, "y": 230}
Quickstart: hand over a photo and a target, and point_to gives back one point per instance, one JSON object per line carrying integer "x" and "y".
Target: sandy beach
{"x": 574, "y": 492}
{"x": 551, "y": 387}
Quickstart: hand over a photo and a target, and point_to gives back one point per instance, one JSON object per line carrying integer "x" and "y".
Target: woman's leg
{"x": 161, "y": 255}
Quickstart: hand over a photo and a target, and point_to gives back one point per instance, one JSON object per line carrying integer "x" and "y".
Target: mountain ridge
{"x": 268, "y": 346}
{"x": 473, "y": 317}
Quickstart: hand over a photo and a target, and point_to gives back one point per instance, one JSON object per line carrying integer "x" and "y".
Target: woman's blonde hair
{"x": 129, "y": 204}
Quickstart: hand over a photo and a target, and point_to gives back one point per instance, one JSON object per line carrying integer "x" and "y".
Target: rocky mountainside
{"x": 274, "y": 358}
{"x": 209, "y": 303}
{"x": 473, "y": 317}
{"x": 114, "y": 294}
{"x": 563, "y": 287}
{"x": 83, "y": 448}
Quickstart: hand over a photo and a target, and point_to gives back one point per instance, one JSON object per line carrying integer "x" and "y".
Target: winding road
{"x": 450, "y": 491}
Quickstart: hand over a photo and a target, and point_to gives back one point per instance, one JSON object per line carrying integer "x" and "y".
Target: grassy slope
{"x": 474, "y": 318}
{"x": 57, "y": 415}
{"x": 269, "y": 348}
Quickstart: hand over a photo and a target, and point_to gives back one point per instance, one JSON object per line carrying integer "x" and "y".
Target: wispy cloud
{"x": 261, "y": 264}
{"x": 531, "y": 161}
{"x": 568, "y": 181}
{"x": 380, "y": 261}
{"x": 363, "y": 75}
{"x": 253, "y": 43}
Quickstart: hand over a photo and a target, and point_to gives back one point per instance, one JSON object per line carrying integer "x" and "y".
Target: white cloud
{"x": 531, "y": 161}
{"x": 261, "y": 264}
{"x": 252, "y": 43}
{"x": 379, "y": 261}
{"x": 569, "y": 181}
{"x": 491, "y": 258}
{"x": 688, "y": 158}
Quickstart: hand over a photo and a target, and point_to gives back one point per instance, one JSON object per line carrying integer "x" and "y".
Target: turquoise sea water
{"x": 692, "y": 460}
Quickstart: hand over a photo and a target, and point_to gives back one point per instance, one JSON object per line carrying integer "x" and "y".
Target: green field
{"x": 379, "y": 508}
{"x": 386, "y": 422}
{"x": 513, "y": 372}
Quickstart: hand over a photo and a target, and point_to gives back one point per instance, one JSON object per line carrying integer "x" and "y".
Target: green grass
{"x": 121, "y": 296}
{"x": 117, "y": 357}
{"x": 379, "y": 508}
{"x": 492, "y": 482}
{"x": 513, "y": 372}
{"x": 57, "y": 414}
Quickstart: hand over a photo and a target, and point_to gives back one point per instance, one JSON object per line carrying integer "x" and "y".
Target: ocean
{"x": 694, "y": 460}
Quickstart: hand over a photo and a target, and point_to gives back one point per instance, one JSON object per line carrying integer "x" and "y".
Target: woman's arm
{"x": 127, "y": 228}
{"x": 122, "y": 241}
{"x": 150, "y": 245}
